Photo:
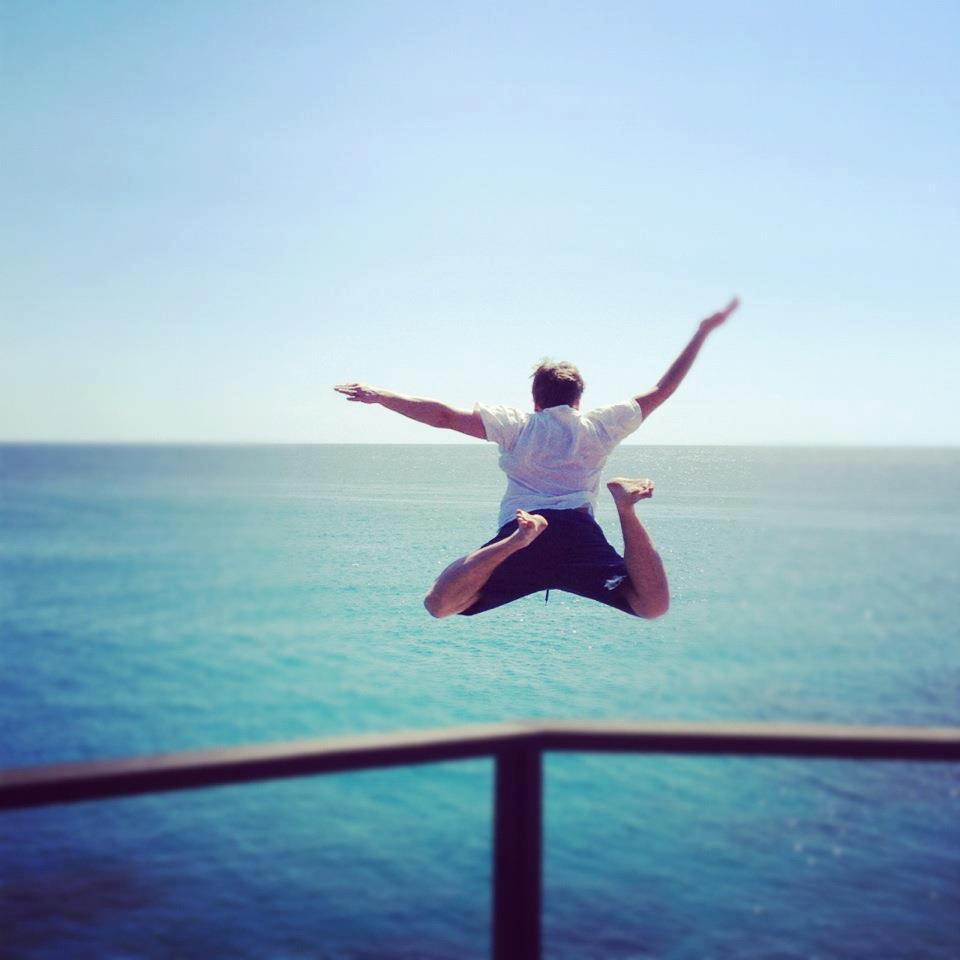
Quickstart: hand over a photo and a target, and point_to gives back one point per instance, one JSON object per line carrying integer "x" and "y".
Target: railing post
{"x": 517, "y": 853}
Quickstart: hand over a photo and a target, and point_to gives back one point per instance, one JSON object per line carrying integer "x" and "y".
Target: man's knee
{"x": 437, "y": 606}
{"x": 649, "y": 608}
{"x": 434, "y": 608}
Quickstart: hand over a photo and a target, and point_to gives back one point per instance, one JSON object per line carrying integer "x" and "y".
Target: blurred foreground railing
{"x": 518, "y": 750}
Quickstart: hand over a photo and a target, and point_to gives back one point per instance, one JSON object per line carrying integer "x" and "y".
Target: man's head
{"x": 555, "y": 384}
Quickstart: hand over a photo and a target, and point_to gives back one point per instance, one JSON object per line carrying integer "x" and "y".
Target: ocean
{"x": 164, "y": 598}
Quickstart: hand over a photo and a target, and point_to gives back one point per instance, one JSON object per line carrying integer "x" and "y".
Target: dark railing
{"x": 518, "y": 750}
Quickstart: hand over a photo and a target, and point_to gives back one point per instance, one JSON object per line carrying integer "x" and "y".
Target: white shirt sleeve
{"x": 503, "y": 424}
{"x": 618, "y": 421}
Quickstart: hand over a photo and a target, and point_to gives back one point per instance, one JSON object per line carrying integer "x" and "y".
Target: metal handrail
{"x": 518, "y": 750}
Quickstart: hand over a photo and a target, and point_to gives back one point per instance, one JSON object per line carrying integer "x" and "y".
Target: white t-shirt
{"x": 553, "y": 458}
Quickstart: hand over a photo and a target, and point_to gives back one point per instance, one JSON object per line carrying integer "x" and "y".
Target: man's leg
{"x": 459, "y": 585}
{"x": 649, "y": 592}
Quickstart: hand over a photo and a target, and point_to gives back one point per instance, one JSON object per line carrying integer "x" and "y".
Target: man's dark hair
{"x": 555, "y": 384}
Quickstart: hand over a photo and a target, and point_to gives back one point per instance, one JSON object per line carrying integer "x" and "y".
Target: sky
{"x": 211, "y": 213}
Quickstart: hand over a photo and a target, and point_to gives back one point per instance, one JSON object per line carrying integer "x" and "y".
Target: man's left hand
{"x": 714, "y": 320}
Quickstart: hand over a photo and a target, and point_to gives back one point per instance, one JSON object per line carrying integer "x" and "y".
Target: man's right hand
{"x": 358, "y": 392}
{"x": 430, "y": 412}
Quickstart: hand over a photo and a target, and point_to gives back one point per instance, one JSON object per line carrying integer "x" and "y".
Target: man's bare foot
{"x": 627, "y": 492}
{"x": 529, "y": 527}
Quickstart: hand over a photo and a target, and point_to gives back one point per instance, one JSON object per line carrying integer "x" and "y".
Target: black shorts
{"x": 572, "y": 554}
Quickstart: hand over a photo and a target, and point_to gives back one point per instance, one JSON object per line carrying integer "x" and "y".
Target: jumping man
{"x": 548, "y": 538}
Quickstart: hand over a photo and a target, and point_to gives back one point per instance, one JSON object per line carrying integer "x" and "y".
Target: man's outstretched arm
{"x": 680, "y": 367}
{"x": 430, "y": 412}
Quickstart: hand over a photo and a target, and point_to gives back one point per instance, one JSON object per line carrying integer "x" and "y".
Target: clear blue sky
{"x": 212, "y": 212}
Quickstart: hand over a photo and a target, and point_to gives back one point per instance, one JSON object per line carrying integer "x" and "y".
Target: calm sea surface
{"x": 155, "y": 599}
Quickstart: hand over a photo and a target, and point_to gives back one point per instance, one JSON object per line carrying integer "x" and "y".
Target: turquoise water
{"x": 155, "y": 599}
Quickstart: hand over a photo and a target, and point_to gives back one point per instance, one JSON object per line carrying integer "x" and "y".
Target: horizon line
{"x": 822, "y": 444}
